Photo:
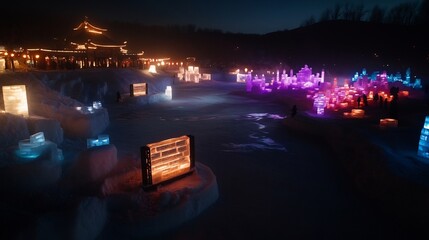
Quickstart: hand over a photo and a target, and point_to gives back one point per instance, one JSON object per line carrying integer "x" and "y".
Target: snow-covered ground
{"x": 260, "y": 174}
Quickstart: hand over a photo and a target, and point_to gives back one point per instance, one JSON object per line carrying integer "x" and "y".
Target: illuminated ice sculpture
{"x": 423, "y": 149}
{"x": 30, "y": 148}
{"x": 320, "y": 103}
{"x": 169, "y": 92}
{"x": 167, "y": 160}
{"x": 152, "y": 69}
{"x": 103, "y": 139}
{"x": 138, "y": 89}
{"x": 96, "y": 105}
{"x": 15, "y": 100}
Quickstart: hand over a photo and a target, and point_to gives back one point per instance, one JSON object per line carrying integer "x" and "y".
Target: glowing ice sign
{"x": 15, "y": 99}
{"x": 138, "y": 89}
{"x": 166, "y": 160}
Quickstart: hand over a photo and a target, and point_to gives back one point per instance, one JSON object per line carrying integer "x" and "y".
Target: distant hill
{"x": 338, "y": 46}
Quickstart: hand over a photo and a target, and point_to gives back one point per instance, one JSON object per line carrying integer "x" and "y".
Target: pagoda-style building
{"x": 100, "y": 50}
{"x": 88, "y": 46}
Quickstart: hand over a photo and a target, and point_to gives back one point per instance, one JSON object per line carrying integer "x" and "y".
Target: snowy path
{"x": 271, "y": 185}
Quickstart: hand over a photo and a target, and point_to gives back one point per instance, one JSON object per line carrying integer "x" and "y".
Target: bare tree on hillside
{"x": 353, "y": 12}
{"x": 423, "y": 13}
{"x": 403, "y": 14}
{"x": 310, "y": 21}
{"x": 331, "y": 14}
{"x": 376, "y": 15}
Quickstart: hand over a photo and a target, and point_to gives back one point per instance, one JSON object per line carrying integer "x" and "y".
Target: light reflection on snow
{"x": 262, "y": 144}
{"x": 259, "y": 116}
{"x": 259, "y": 138}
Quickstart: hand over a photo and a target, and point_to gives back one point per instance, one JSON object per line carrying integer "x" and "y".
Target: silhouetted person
{"x": 365, "y": 100}
{"x": 358, "y": 101}
{"x": 294, "y": 110}
{"x": 118, "y": 97}
{"x": 376, "y": 98}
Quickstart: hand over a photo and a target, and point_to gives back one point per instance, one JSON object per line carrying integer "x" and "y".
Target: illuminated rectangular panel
{"x": 15, "y": 99}
{"x": 167, "y": 160}
{"x": 388, "y": 122}
{"x": 357, "y": 113}
{"x": 138, "y": 89}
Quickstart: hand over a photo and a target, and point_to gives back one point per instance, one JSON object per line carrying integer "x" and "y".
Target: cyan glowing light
{"x": 30, "y": 148}
{"x": 103, "y": 139}
{"x": 423, "y": 149}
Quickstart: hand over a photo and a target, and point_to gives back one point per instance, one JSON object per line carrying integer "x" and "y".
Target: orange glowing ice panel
{"x": 138, "y": 89}
{"x": 388, "y": 122}
{"x": 167, "y": 160}
{"x": 357, "y": 113}
{"x": 404, "y": 93}
{"x": 15, "y": 99}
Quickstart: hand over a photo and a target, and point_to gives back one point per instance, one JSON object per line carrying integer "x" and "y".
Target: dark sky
{"x": 238, "y": 16}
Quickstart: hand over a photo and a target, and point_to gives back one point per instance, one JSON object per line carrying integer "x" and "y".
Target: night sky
{"x": 237, "y": 16}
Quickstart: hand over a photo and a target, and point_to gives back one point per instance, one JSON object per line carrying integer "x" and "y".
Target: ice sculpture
{"x": 15, "y": 99}
{"x": 30, "y": 148}
{"x": 103, "y": 139}
{"x": 423, "y": 149}
{"x": 320, "y": 103}
{"x": 169, "y": 92}
{"x": 168, "y": 159}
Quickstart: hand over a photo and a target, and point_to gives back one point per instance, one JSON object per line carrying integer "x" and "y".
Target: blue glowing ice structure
{"x": 102, "y": 139}
{"x": 423, "y": 150}
{"x": 30, "y": 148}
{"x": 96, "y": 105}
{"x": 320, "y": 103}
{"x": 417, "y": 83}
{"x": 407, "y": 76}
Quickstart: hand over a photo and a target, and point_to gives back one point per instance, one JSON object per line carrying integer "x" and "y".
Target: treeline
{"x": 407, "y": 13}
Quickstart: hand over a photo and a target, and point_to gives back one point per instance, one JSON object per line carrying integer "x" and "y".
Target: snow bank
{"x": 137, "y": 214}
{"x": 369, "y": 163}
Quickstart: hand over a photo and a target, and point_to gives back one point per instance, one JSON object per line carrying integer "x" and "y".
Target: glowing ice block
{"x": 423, "y": 149}
{"x": 103, "y": 139}
{"x": 388, "y": 122}
{"x": 169, "y": 92}
{"x": 320, "y": 103}
{"x": 166, "y": 160}
{"x": 15, "y": 99}
{"x": 37, "y": 138}
{"x": 96, "y": 105}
